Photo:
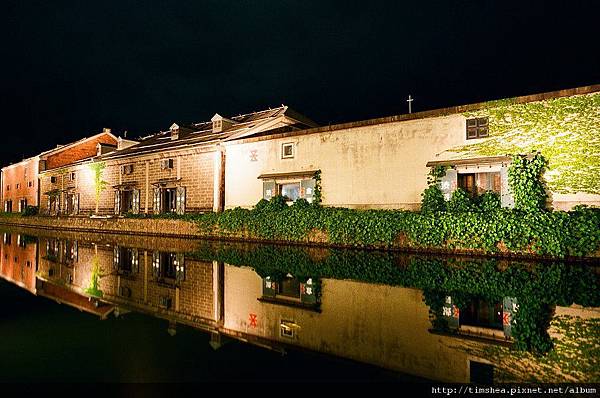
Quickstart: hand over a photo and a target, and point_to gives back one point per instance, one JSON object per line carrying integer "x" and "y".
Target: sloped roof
{"x": 201, "y": 134}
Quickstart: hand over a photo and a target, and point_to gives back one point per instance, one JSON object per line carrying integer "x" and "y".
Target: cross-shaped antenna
{"x": 410, "y": 100}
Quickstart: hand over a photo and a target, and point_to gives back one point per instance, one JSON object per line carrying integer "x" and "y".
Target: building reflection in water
{"x": 399, "y": 328}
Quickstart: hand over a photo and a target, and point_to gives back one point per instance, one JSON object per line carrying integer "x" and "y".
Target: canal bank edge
{"x": 184, "y": 228}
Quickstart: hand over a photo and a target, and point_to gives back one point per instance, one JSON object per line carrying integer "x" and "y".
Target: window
{"x": 168, "y": 267}
{"x": 8, "y": 206}
{"x": 467, "y": 182}
{"x": 291, "y": 291}
{"x": 290, "y": 187}
{"x": 7, "y": 239}
{"x": 126, "y": 260}
{"x": 481, "y": 373}
{"x": 18, "y": 185}
{"x": 127, "y": 169}
{"x": 8, "y": 187}
{"x": 286, "y": 328}
{"x": 53, "y": 179}
{"x": 71, "y": 252}
{"x": 30, "y": 184}
{"x": 166, "y": 164}
{"x": 477, "y": 128}
{"x": 291, "y": 191}
{"x": 287, "y": 150}
{"x": 72, "y": 176}
{"x": 481, "y": 313}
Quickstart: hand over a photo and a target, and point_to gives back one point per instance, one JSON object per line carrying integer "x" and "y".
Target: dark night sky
{"x": 70, "y": 68}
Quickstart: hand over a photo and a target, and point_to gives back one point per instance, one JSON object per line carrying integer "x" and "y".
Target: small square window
{"x": 53, "y": 179}
{"x": 286, "y": 329}
{"x": 477, "y": 128}
{"x": 287, "y": 151}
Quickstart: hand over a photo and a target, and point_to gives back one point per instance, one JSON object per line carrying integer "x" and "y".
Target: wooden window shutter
{"x": 308, "y": 294}
{"x": 509, "y": 310}
{"x": 116, "y": 258}
{"x": 269, "y": 287}
{"x": 451, "y": 313}
{"x": 135, "y": 261}
{"x": 268, "y": 189}
{"x": 471, "y": 128}
{"x": 448, "y": 183}
{"x": 506, "y": 197}
{"x": 482, "y": 127}
{"x": 76, "y": 203}
{"x": 156, "y": 201}
{"x": 307, "y": 189}
{"x": 117, "y": 202}
{"x": 180, "y": 200}
{"x": 156, "y": 264}
{"x": 135, "y": 201}
{"x": 179, "y": 267}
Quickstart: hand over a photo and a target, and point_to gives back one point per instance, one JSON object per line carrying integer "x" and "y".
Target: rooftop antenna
{"x": 410, "y": 100}
{"x": 125, "y": 134}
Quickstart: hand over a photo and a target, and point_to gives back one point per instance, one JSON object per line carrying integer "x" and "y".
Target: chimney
{"x": 220, "y": 123}
{"x": 106, "y": 130}
{"x": 174, "y": 131}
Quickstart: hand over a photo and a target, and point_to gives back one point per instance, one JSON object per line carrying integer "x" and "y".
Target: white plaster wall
{"x": 385, "y": 326}
{"x": 380, "y": 166}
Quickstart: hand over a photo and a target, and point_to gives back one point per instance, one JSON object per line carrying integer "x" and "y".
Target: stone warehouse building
{"x": 384, "y": 163}
{"x": 20, "y": 181}
{"x": 175, "y": 171}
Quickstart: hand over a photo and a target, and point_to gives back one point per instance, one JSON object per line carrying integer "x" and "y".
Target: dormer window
{"x": 174, "y": 131}
{"x": 220, "y": 123}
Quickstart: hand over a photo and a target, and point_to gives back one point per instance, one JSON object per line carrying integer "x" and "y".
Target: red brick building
{"x": 18, "y": 259}
{"x": 20, "y": 181}
{"x": 20, "y": 185}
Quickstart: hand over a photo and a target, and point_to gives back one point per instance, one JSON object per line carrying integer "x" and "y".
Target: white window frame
{"x": 288, "y": 145}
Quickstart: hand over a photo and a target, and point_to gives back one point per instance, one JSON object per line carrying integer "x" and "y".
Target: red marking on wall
{"x": 506, "y": 318}
{"x": 254, "y": 155}
{"x": 253, "y": 320}
{"x": 456, "y": 311}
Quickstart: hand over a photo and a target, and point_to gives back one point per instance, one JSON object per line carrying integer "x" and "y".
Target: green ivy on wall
{"x": 525, "y": 180}
{"x": 558, "y": 233}
{"x": 317, "y": 196}
{"x": 564, "y": 130}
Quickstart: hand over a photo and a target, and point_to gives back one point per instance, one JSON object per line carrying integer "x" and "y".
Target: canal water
{"x": 92, "y": 307}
